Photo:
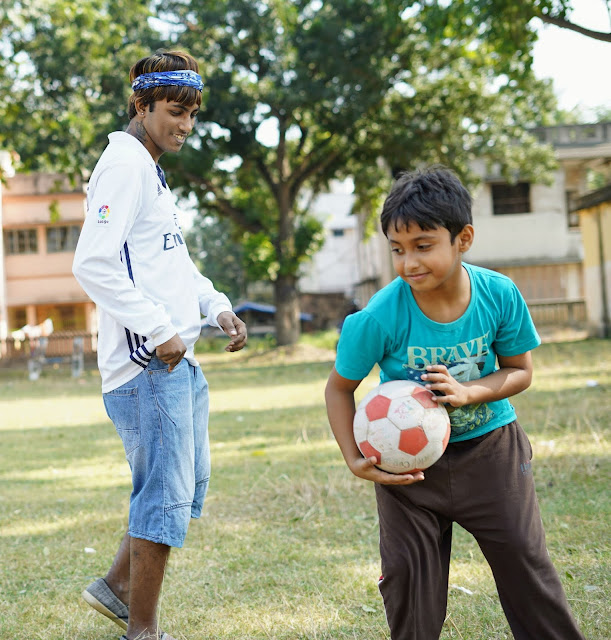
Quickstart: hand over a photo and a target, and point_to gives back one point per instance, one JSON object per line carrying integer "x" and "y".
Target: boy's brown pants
{"x": 486, "y": 486}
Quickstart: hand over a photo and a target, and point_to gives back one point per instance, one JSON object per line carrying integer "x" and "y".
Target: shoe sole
{"x": 93, "y": 602}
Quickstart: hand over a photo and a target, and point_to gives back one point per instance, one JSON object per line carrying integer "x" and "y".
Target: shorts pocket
{"x": 123, "y": 409}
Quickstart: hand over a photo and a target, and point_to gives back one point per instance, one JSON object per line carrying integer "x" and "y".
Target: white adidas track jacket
{"x": 132, "y": 261}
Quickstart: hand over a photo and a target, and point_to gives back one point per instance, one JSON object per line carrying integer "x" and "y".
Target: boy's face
{"x": 167, "y": 126}
{"x": 426, "y": 258}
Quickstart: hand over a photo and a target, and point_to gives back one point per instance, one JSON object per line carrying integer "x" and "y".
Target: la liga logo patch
{"x": 103, "y": 213}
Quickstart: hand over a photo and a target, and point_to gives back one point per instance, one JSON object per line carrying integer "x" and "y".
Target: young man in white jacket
{"x": 132, "y": 261}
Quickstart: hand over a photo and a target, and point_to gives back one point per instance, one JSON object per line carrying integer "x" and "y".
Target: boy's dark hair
{"x": 430, "y": 198}
{"x": 163, "y": 61}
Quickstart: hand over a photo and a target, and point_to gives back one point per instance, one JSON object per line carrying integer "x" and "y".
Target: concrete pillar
{"x": 30, "y": 315}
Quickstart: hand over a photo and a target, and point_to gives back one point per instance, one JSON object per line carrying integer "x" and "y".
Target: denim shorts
{"x": 162, "y": 419}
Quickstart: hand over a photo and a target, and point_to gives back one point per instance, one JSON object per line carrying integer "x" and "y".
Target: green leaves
{"x": 297, "y": 93}
{"x": 67, "y": 65}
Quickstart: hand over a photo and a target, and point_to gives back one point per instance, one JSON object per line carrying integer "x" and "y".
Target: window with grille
{"x": 62, "y": 238}
{"x": 20, "y": 241}
{"x": 510, "y": 198}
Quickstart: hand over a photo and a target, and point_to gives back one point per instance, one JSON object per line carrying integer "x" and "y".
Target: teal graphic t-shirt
{"x": 393, "y": 332}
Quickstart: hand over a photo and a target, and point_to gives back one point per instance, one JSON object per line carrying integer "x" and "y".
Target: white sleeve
{"x": 113, "y": 203}
{"x": 211, "y": 301}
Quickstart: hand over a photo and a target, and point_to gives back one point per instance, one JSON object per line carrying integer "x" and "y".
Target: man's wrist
{"x": 164, "y": 335}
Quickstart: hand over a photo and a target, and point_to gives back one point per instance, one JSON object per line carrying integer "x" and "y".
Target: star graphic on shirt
{"x": 413, "y": 374}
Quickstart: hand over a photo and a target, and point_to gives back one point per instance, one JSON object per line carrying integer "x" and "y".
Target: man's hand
{"x": 172, "y": 351}
{"x": 234, "y": 328}
{"x": 365, "y": 468}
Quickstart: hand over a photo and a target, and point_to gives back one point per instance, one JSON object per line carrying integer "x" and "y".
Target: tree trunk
{"x": 288, "y": 327}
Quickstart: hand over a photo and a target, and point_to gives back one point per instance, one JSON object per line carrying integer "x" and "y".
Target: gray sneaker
{"x": 99, "y": 596}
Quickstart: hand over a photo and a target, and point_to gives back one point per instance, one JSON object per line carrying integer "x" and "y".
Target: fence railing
{"x": 60, "y": 344}
{"x": 560, "y": 313}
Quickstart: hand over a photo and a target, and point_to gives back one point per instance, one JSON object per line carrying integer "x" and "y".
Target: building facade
{"x": 41, "y": 217}
{"x": 527, "y": 231}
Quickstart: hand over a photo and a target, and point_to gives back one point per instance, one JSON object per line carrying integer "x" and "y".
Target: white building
{"x": 523, "y": 230}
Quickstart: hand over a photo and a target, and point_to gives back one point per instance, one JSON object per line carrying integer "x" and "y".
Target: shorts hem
{"x": 169, "y": 542}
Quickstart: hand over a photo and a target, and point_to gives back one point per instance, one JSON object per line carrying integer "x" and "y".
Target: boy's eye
{"x": 424, "y": 247}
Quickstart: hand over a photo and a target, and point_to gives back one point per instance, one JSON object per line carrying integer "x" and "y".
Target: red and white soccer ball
{"x": 400, "y": 424}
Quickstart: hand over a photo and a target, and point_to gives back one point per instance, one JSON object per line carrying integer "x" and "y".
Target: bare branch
{"x": 565, "y": 24}
{"x": 224, "y": 206}
{"x": 298, "y": 176}
{"x": 302, "y": 140}
{"x": 319, "y": 165}
{"x": 267, "y": 176}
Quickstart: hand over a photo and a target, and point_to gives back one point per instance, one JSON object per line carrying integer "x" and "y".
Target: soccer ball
{"x": 401, "y": 424}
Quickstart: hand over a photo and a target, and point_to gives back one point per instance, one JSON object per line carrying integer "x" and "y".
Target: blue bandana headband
{"x": 183, "y": 78}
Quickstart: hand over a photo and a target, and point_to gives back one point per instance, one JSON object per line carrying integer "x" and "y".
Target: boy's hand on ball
{"x": 438, "y": 378}
{"x": 234, "y": 328}
{"x": 365, "y": 468}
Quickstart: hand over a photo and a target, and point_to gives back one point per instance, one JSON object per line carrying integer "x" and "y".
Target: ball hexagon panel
{"x": 406, "y": 412}
{"x": 368, "y": 451}
{"x": 395, "y": 388}
{"x": 429, "y": 455}
{"x": 413, "y": 440}
{"x": 425, "y": 397}
{"x": 370, "y": 395}
{"x": 377, "y": 407}
{"x": 360, "y": 425}
{"x": 399, "y": 462}
{"x": 383, "y": 435}
{"x": 437, "y": 425}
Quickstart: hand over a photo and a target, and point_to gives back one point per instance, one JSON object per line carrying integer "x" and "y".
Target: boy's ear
{"x": 465, "y": 238}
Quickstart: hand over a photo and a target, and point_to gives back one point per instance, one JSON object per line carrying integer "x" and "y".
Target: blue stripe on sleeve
{"x": 128, "y": 261}
{"x": 131, "y": 357}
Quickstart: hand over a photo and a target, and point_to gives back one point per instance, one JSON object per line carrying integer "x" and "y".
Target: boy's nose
{"x": 410, "y": 263}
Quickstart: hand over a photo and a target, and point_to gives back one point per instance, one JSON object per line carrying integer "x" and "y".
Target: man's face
{"x": 167, "y": 126}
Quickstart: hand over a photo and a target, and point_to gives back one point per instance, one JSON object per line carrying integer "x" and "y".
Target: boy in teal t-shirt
{"x": 466, "y": 334}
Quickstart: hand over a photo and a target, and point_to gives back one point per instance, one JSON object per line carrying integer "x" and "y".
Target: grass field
{"x": 287, "y": 548}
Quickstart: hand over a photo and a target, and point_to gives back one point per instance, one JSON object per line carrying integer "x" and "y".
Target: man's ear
{"x": 465, "y": 238}
{"x": 140, "y": 106}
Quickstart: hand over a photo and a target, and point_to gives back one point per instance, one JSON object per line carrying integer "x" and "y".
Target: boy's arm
{"x": 339, "y": 396}
{"x": 513, "y": 376}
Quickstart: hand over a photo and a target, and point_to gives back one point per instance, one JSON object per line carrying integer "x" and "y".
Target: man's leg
{"x": 161, "y": 451}
{"x": 147, "y": 567}
{"x": 117, "y": 577}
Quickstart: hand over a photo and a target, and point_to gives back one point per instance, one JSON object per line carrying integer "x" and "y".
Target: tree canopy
{"x": 297, "y": 93}
{"x": 64, "y": 75}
